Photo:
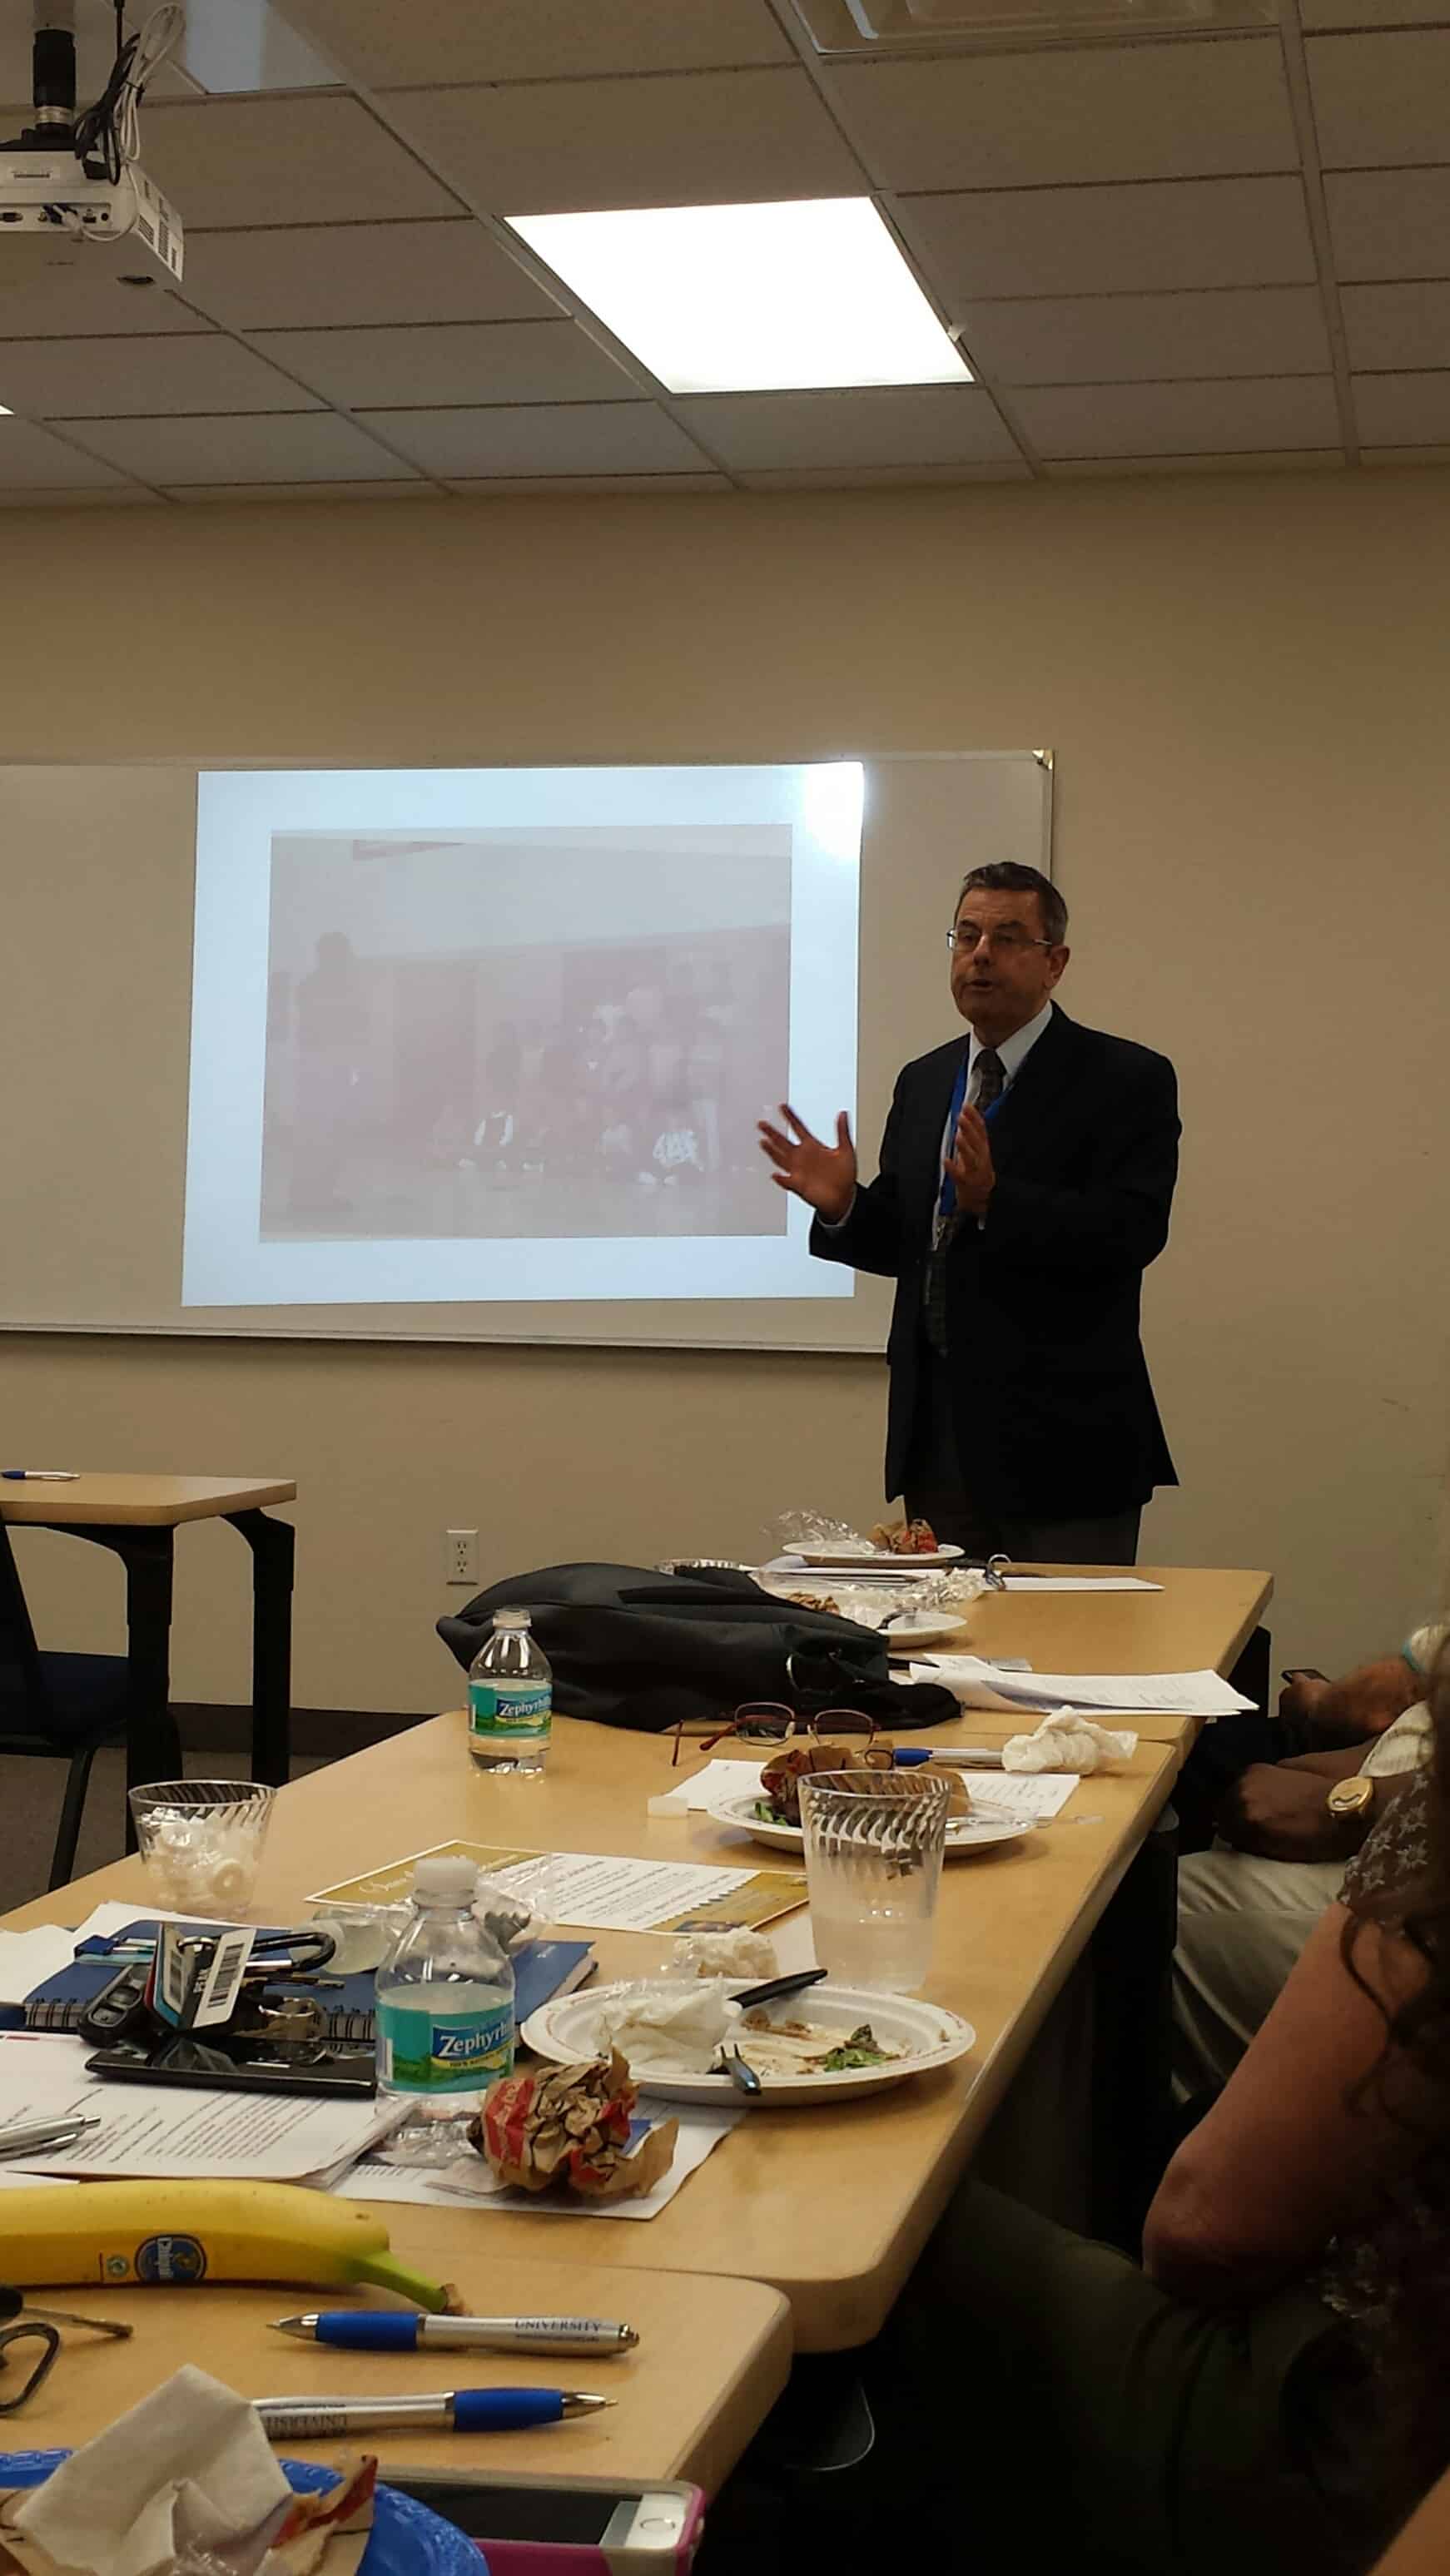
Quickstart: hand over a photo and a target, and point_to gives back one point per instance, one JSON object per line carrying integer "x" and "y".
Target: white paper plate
{"x": 879, "y": 1560}
{"x": 571, "y": 2028}
{"x": 924, "y": 1627}
{"x": 965, "y": 1834}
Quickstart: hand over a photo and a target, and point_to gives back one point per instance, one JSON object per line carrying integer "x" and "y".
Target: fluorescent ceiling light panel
{"x": 750, "y": 299}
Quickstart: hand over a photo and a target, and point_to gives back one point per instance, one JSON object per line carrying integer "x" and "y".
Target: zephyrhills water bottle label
{"x": 504, "y": 1708}
{"x": 417, "y": 2054}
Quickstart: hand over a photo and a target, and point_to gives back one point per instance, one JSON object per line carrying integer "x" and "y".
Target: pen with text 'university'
{"x": 399, "y": 2330}
{"x": 41, "y": 1475}
{"x": 456, "y": 2410}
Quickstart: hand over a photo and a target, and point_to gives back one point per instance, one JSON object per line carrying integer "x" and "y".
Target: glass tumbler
{"x": 201, "y": 1841}
{"x": 874, "y": 1842}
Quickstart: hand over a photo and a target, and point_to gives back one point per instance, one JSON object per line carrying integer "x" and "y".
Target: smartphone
{"x": 565, "y": 2526}
{"x": 1303, "y": 1673}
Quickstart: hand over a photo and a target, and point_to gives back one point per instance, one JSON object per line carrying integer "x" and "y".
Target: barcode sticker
{"x": 223, "y": 1977}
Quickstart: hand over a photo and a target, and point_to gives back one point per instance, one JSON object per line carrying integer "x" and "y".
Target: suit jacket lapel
{"x": 1031, "y": 1103}
{"x": 923, "y": 1181}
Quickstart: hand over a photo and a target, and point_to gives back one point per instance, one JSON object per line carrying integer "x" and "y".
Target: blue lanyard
{"x": 948, "y": 1199}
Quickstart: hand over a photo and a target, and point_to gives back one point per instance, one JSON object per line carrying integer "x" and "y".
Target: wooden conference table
{"x": 137, "y": 1517}
{"x": 829, "y": 2208}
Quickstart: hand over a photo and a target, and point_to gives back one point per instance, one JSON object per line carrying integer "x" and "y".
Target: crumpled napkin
{"x": 1065, "y": 1742}
{"x": 186, "y": 2479}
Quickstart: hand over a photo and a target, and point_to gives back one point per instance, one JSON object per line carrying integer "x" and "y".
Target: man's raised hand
{"x": 823, "y": 1175}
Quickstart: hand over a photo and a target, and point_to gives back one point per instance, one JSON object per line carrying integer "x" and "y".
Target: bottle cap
{"x": 514, "y": 1618}
{"x": 448, "y": 1880}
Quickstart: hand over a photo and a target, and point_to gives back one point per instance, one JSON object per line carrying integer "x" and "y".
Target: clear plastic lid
{"x": 447, "y": 1880}
{"x": 511, "y": 1619}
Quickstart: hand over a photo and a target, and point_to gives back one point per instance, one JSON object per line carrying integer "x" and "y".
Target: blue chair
{"x": 62, "y": 1707}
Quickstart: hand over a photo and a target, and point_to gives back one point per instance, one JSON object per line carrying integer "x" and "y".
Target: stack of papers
{"x": 168, "y": 2131}
{"x": 1079, "y": 1583}
{"x": 978, "y": 1684}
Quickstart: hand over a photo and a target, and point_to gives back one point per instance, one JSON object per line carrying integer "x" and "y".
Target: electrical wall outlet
{"x": 460, "y": 1556}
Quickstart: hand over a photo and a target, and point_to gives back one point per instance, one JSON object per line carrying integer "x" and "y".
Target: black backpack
{"x": 631, "y": 1648}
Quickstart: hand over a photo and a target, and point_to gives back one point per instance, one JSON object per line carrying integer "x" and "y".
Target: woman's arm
{"x": 1283, "y": 2160}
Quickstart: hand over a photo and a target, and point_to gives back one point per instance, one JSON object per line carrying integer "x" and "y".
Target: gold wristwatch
{"x": 1351, "y": 1797}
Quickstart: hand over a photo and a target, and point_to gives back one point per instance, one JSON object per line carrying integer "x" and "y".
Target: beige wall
{"x": 1244, "y": 682}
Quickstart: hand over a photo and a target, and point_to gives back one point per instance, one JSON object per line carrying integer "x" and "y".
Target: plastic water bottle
{"x": 510, "y": 1697}
{"x": 445, "y": 2016}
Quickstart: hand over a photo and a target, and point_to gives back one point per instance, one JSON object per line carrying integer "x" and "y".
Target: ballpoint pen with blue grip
{"x": 453, "y": 2410}
{"x": 399, "y": 2330}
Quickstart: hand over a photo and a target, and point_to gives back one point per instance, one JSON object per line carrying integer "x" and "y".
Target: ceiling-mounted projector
{"x": 72, "y": 182}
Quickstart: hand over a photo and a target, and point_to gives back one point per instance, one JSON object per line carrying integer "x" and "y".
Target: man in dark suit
{"x": 1025, "y": 1183}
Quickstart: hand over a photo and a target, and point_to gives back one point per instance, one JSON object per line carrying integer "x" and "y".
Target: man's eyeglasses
{"x": 965, "y": 938}
{"x": 768, "y": 1721}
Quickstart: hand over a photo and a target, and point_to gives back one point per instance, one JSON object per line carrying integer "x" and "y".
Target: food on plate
{"x": 781, "y": 1776}
{"x": 671, "y": 2025}
{"x": 905, "y": 1538}
{"x": 959, "y": 1796}
{"x": 808, "y": 2047}
{"x": 571, "y": 2125}
{"x": 747, "y": 1955}
{"x": 861, "y": 2049}
{"x": 812, "y": 1601}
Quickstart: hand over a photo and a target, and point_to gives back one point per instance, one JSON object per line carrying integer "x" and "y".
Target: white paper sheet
{"x": 28, "y": 1958}
{"x": 982, "y": 1685}
{"x": 471, "y": 2185}
{"x": 1034, "y": 1796}
{"x": 175, "y": 2130}
{"x": 704, "y": 1787}
{"x": 601, "y": 1892}
{"x": 1079, "y": 1583}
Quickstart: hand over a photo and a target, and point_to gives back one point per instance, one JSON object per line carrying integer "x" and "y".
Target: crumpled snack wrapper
{"x": 570, "y": 2125}
{"x": 1069, "y": 1743}
{"x": 185, "y": 2484}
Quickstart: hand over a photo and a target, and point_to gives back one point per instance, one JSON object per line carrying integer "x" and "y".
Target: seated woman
{"x": 1269, "y": 2390}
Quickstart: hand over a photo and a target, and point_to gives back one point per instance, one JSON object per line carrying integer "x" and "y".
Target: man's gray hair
{"x": 1009, "y": 876}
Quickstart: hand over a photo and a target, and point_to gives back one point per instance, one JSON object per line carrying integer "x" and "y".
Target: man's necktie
{"x": 988, "y": 1077}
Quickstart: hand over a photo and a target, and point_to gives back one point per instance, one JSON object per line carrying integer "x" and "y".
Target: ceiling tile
{"x": 363, "y": 491}
{"x": 1025, "y": 120}
{"x": 31, "y": 460}
{"x": 291, "y": 447}
{"x": 540, "y": 439}
{"x": 1380, "y": 101}
{"x": 1119, "y": 339}
{"x": 1361, "y": 13}
{"x": 1398, "y": 326}
{"x": 335, "y": 274}
{"x": 863, "y": 478}
{"x": 707, "y": 138}
{"x": 1179, "y": 420}
{"x": 1390, "y": 223}
{"x": 914, "y": 425}
{"x": 312, "y": 158}
{"x": 1271, "y": 460}
{"x": 65, "y": 303}
{"x": 381, "y": 44}
{"x": 1094, "y": 241}
{"x": 458, "y": 362}
{"x": 22, "y": 497}
{"x": 1403, "y": 410}
{"x": 105, "y": 379}
{"x": 555, "y": 484}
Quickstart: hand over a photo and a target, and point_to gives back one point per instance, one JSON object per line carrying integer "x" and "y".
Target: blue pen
{"x": 40, "y": 1475}
{"x": 401, "y": 2330}
{"x": 456, "y": 2410}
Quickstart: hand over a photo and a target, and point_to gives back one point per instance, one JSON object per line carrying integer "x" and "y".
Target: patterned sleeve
{"x": 1394, "y": 1855}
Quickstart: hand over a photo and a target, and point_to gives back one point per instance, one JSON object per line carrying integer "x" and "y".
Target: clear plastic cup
{"x": 874, "y": 1843}
{"x": 201, "y": 1841}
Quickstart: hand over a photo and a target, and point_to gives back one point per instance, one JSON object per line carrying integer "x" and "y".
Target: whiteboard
{"x": 97, "y": 991}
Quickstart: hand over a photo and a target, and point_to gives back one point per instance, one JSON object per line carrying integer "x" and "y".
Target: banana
{"x": 211, "y": 2231}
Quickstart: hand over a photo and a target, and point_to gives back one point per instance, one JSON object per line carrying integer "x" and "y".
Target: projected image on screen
{"x": 503, "y": 1035}
{"x": 525, "y": 1033}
